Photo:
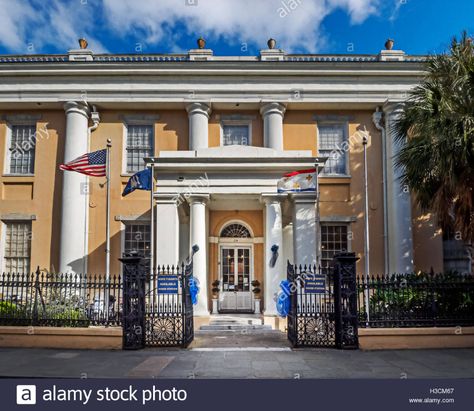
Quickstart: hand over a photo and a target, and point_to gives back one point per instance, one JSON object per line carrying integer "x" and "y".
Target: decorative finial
{"x": 271, "y": 43}
{"x": 201, "y": 43}
{"x": 389, "y": 44}
{"x": 83, "y": 43}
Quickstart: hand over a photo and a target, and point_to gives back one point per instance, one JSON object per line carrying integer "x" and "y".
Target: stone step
{"x": 236, "y": 320}
{"x": 235, "y": 326}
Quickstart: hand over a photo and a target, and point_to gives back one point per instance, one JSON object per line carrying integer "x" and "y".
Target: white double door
{"x": 235, "y": 278}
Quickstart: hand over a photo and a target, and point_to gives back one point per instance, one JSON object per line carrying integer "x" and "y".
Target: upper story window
{"x": 139, "y": 145}
{"x": 332, "y": 145}
{"x": 17, "y": 248}
{"x": 21, "y": 150}
{"x": 236, "y": 134}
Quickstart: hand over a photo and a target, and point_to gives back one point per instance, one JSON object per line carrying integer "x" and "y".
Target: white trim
{"x": 140, "y": 119}
{"x": 18, "y": 217}
{"x": 344, "y": 123}
{"x": 235, "y": 122}
{"x": 8, "y": 139}
{"x": 132, "y": 218}
{"x": 338, "y": 219}
{"x": 254, "y": 240}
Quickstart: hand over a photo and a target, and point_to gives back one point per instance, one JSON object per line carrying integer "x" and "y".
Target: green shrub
{"x": 7, "y": 308}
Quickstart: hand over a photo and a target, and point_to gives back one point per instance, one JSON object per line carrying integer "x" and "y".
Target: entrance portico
{"x": 226, "y": 199}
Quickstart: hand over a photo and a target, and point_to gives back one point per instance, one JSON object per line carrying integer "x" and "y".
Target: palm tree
{"x": 437, "y": 158}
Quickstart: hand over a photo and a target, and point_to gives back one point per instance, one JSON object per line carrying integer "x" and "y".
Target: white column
{"x": 272, "y": 114}
{"x": 74, "y": 216}
{"x": 167, "y": 230}
{"x": 400, "y": 238}
{"x": 198, "y": 236}
{"x": 273, "y": 236}
{"x": 305, "y": 232}
{"x": 198, "y": 114}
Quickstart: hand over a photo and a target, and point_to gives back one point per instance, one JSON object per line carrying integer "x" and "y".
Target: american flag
{"x": 91, "y": 164}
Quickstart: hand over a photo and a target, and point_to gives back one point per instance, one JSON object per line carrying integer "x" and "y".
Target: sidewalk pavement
{"x": 237, "y": 362}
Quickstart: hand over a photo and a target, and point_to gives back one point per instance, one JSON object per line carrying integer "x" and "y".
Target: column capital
{"x": 199, "y": 108}
{"x": 304, "y": 198}
{"x": 393, "y": 108}
{"x": 78, "y": 107}
{"x": 272, "y": 107}
{"x": 198, "y": 198}
{"x": 166, "y": 198}
{"x": 271, "y": 198}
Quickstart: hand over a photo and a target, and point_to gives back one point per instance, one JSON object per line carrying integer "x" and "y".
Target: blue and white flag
{"x": 139, "y": 181}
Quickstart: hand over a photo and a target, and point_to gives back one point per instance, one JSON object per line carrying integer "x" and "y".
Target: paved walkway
{"x": 237, "y": 355}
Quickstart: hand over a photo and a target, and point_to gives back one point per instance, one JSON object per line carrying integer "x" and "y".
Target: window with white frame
{"x": 139, "y": 145}
{"x": 236, "y": 134}
{"x": 137, "y": 238}
{"x": 17, "y": 247}
{"x": 332, "y": 145}
{"x": 333, "y": 240}
{"x": 21, "y": 150}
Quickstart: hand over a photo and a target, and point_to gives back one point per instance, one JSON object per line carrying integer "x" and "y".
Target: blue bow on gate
{"x": 193, "y": 290}
{"x": 283, "y": 299}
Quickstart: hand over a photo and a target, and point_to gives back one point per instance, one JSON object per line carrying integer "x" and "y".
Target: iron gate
{"x": 169, "y": 312}
{"x": 157, "y": 308}
{"x": 323, "y": 306}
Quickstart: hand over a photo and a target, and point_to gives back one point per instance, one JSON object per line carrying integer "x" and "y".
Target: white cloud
{"x": 57, "y": 24}
{"x": 13, "y": 27}
{"x": 31, "y": 25}
{"x": 296, "y": 24}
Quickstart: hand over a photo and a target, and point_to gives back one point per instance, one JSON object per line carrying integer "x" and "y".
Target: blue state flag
{"x": 139, "y": 181}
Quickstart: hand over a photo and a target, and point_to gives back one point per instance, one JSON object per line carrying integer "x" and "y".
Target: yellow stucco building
{"x": 221, "y": 131}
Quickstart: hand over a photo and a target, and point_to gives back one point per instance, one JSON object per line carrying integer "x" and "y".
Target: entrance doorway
{"x": 235, "y": 269}
{"x": 236, "y": 266}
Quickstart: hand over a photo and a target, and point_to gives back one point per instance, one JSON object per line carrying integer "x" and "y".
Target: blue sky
{"x": 232, "y": 27}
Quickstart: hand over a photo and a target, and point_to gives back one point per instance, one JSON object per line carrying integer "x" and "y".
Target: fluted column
{"x": 400, "y": 236}
{"x": 198, "y": 236}
{"x": 274, "y": 271}
{"x": 74, "y": 216}
{"x": 198, "y": 114}
{"x": 272, "y": 114}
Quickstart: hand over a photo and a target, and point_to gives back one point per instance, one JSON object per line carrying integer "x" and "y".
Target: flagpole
{"x": 366, "y": 227}
{"x": 152, "y": 221}
{"x": 107, "y": 231}
{"x": 318, "y": 222}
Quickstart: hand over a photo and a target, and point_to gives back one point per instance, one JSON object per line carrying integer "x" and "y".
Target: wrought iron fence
{"x": 81, "y": 300}
{"x": 416, "y": 300}
{"x": 323, "y": 305}
{"x": 168, "y": 307}
{"x": 61, "y": 300}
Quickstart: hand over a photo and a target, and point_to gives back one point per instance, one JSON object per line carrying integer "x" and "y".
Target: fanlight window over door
{"x": 235, "y": 231}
